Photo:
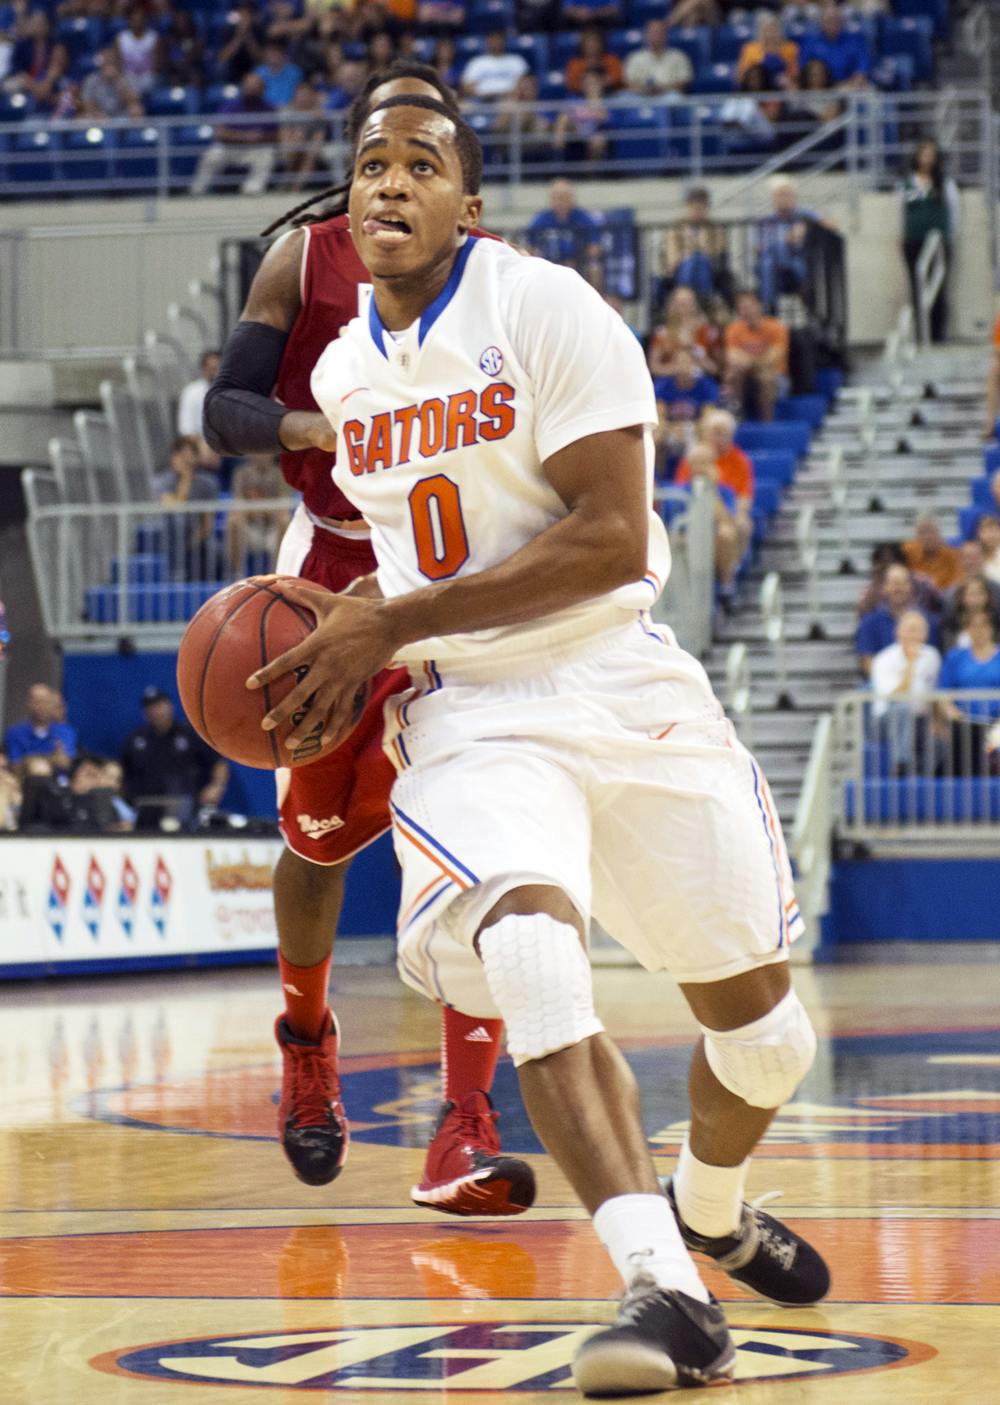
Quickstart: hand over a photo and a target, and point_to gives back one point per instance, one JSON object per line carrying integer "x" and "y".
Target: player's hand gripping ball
{"x": 237, "y": 632}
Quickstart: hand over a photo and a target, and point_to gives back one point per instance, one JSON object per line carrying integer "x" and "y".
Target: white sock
{"x": 709, "y": 1198}
{"x": 641, "y": 1235}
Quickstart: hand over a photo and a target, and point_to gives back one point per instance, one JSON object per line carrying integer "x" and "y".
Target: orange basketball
{"x": 238, "y": 631}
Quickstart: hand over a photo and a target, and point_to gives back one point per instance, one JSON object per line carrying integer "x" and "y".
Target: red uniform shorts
{"x": 335, "y": 806}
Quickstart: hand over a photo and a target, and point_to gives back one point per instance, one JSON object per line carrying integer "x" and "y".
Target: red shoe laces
{"x": 315, "y": 1085}
{"x": 477, "y": 1128}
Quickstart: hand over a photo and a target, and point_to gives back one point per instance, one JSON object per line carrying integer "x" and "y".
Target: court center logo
{"x": 480, "y": 1356}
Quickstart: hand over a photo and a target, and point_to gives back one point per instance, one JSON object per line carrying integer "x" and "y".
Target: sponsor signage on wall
{"x": 69, "y": 900}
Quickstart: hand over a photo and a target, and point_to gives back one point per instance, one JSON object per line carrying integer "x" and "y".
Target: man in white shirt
{"x": 492, "y": 421}
{"x": 657, "y": 69}
{"x": 903, "y": 677}
{"x": 192, "y": 397}
{"x": 494, "y": 74}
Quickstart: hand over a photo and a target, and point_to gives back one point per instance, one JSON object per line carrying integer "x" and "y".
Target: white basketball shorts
{"x": 607, "y": 769}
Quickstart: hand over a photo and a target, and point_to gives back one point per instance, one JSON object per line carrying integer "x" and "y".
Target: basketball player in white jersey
{"x": 559, "y": 755}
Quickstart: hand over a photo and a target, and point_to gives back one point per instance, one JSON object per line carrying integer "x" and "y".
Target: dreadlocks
{"x": 357, "y": 115}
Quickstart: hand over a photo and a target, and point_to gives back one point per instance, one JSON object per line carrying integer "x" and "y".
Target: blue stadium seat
{"x": 468, "y": 46}
{"x": 991, "y": 458}
{"x": 893, "y": 73}
{"x": 980, "y": 494}
{"x": 553, "y": 86}
{"x": 141, "y": 568}
{"x": 793, "y": 436}
{"x": 924, "y": 800}
{"x": 714, "y": 78}
{"x": 683, "y": 140}
{"x": 729, "y": 40}
{"x": 624, "y": 41}
{"x": 485, "y": 15}
{"x": 642, "y": 132}
{"x": 173, "y": 102}
{"x": 563, "y": 47}
{"x": 773, "y": 466}
{"x": 937, "y": 11}
{"x": 87, "y": 156}
{"x": 766, "y": 497}
{"x": 82, "y": 35}
{"x": 695, "y": 41}
{"x": 911, "y": 36}
{"x": 535, "y": 48}
{"x": 802, "y": 407}
{"x": 136, "y": 159}
{"x": 15, "y": 107}
{"x": 829, "y": 380}
{"x": 639, "y": 12}
{"x": 968, "y": 521}
{"x": 186, "y": 146}
{"x": 33, "y": 158}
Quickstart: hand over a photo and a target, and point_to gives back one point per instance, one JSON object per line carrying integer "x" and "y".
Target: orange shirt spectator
{"x": 769, "y": 333}
{"x": 735, "y": 471}
{"x": 755, "y": 55}
{"x": 930, "y": 555}
{"x": 608, "y": 65}
{"x": 403, "y": 10}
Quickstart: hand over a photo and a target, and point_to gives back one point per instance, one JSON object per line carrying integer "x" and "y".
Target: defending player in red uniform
{"x": 308, "y": 287}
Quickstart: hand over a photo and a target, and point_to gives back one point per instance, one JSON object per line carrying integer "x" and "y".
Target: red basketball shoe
{"x": 312, "y": 1125}
{"x": 466, "y": 1172}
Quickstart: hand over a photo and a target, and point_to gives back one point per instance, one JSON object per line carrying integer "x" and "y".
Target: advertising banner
{"x": 64, "y": 901}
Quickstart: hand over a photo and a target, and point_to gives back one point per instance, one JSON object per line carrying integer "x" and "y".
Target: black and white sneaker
{"x": 662, "y": 1340}
{"x": 764, "y": 1255}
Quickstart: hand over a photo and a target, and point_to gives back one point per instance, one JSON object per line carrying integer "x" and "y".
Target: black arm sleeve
{"x": 239, "y": 416}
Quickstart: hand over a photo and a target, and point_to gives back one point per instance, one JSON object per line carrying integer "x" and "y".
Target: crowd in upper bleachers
{"x": 305, "y": 60}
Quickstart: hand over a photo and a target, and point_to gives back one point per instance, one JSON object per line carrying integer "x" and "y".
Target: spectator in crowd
{"x": 685, "y": 12}
{"x": 165, "y": 759}
{"x": 782, "y": 265}
{"x": 771, "y": 51}
{"x": 494, "y": 74}
{"x": 381, "y": 50}
{"x": 302, "y": 137}
{"x": 252, "y": 537}
{"x": 756, "y": 356}
{"x": 877, "y": 628}
{"x": 249, "y": 145}
{"x": 990, "y": 425}
{"x": 684, "y": 326}
{"x": 535, "y": 125}
{"x": 616, "y": 301}
{"x": 191, "y": 403}
{"x": 681, "y": 399}
{"x": 139, "y": 49}
{"x": 591, "y": 12}
{"x": 567, "y": 234}
{"x": 594, "y": 58}
{"x": 733, "y": 524}
{"x": 976, "y": 593}
{"x": 445, "y": 61}
{"x": 750, "y": 121}
{"x": 440, "y": 16}
{"x": 41, "y": 733}
{"x": 191, "y": 544}
{"x": 657, "y": 68}
{"x": 928, "y": 202}
{"x": 975, "y": 666}
{"x": 243, "y": 44}
{"x": 581, "y": 128}
{"x": 279, "y": 75}
{"x": 112, "y": 780}
{"x": 10, "y": 797}
{"x": 930, "y": 555}
{"x": 81, "y": 804}
{"x": 183, "y": 52}
{"x": 735, "y": 468}
{"x": 349, "y": 80}
{"x": 903, "y": 676}
{"x": 816, "y": 102}
{"x": 38, "y": 63}
{"x": 693, "y": 252}
{"x": 988, "y": 537}
{"x": 845, "y": 52}
{"x": 106, "y": 92}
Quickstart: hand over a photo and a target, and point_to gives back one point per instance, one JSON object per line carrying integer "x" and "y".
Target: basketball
{"x": 236, "y": 632}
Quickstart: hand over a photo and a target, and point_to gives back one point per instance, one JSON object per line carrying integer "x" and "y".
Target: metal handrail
{"x": 739, "y": 692}
{"x": 807, "y": 540}
{"x": 688, "y": 596}
{"x": 812, "y": 832}
{"x": 930, "y": 276}
{"x": 839, "y": 501}
{"x": 772, "y": 609}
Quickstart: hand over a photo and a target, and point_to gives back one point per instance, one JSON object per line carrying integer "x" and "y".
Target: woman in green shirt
{"x": 929, "y": 201}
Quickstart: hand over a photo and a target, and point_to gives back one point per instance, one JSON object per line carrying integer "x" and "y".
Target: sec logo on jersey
{"x": 491, "y": 361}
{"x": 495, "y": 1356}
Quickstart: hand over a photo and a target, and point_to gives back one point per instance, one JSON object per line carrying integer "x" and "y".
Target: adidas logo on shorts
{"x": 478, "y": 1036}
{"x": 315, "y": 829}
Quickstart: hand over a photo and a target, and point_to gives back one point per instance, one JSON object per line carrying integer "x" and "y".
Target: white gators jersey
{"x": 443, "y": 430}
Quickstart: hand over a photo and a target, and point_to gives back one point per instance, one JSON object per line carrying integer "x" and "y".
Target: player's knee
{"x": 539, "y": 977}
{"x": 763, "y": 1063}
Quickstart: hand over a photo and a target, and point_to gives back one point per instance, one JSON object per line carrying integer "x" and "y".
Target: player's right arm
{"x": 240, "y": 417}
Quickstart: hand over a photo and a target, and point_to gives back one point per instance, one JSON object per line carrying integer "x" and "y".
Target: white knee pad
{"x": 539, "y": 976}
{"x": 763, "y": 1063}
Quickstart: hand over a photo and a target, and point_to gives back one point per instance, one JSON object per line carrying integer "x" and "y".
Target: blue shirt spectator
{"x": 685, "y": 395}
{"x": 978, "y": 666}
{"x": 40, "y": 734}
{"x": 845, "y": 52}
{"x": 281, "y": 77}
{"x": 566, "y": 234}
